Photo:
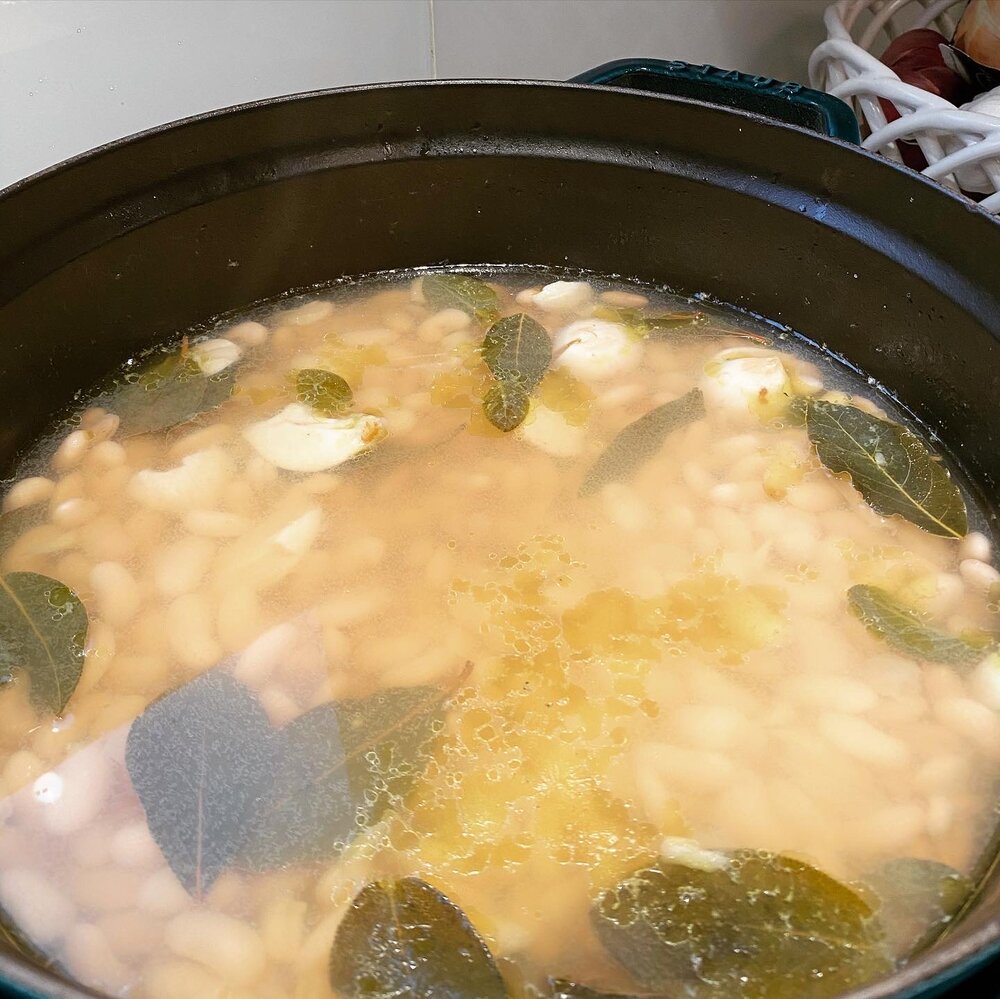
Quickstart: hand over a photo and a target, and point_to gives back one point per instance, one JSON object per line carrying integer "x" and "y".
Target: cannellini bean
{"x": 83, "y": 784}
{"x": 299, "y": 440}
{"x": 239, "y": 618}
{"x": 74, "y": 512}
{"x": 594, "y": 350}
{"x": 133, "y": 846}
{"x": 710, "y": 726}
{"x": 978, "y": 576}
{"x": 625, "y": 508}
{"x": 71, "y": 450}
{"x": 433, "y": 329}
{"x": 624, "y": 299}
{"x": 890, "y": 829}
{"x": 106, "y": 889}
{"x": 970, "y": 720}
{"x": 311, "y": 312}
{"x": 549, "y": 431}
{"x": 92, "y": 961}
{"x": 215, "y": 523}
{"x": 116, "y": 591}
{"x": 526, "y": 296}
{"x": 563, "y": 296}
{"x": 182, "y": 566}
{"x": 177, "y": 979}
{"x": 21, "y": 767}
{"x": 813, "y": 497}
{"x": 108, "y": 454}
{"x": 247, "y": 334}
{"x": 940, "y": 815}
{"x": 191, "y": 632}
{"x": 161, "y": 894}
{"x": 686, "y": 769}
{"x": 28, "y": 492}
{"x": 35, "y": 904}
{"x": 215, "y": 355}
{"x": 105, "y": 428}
{"x": 259, "y": 660}
{"x": 862, "y": 740}
{"x": 201, "y": 439}
{"x": 985, "y": 681}
{"x": 975, "y": 545}
{"x": 283, "y": 926}
{"x": 197, "y": 481}
{"x": 224, "y": 945}
{"x": 279, "y": 706}
{"x": 833, "y": 693}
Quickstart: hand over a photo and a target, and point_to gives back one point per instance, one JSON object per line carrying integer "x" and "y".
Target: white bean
{"x": 862, "y": 740}
{"x": 182, "y": 980}
{"x": 283, "y": 926}
{"x": 978, "y": 576}
{"x": 74, "y": 512}
{"x": 834, "y": 693}
{"x": 970, "y": 720}
{"x": 116, "y": 591}
{"x": 85, "y": 781}
{"x": 28, "y": 492}
{"x": 433, "y": 329}
{"x": 108, "y": 454}
{"x": 71, "y": 450}
{"x": 182, "y": 567}
{"x": 975, "y": 545}
{"x": 225, "y": 945}
{"x": 133, "y": 846}
{"x": 248, "y": 334}
{"x": 162, "y": 894}
{"x": 92, "y": 961}
{"x": 35, "y": 904}
{"x": 191, "y": 632}
{"x": 216, "y": 523}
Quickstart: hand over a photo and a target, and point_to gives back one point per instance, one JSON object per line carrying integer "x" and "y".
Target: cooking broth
{"x": 500, "y": 634}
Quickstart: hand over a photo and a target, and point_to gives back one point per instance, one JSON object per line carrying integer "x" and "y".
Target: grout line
{"x": 434, "y": 58}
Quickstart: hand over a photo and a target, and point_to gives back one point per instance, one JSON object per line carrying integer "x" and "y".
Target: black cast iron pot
{"x": 134, "y": 242}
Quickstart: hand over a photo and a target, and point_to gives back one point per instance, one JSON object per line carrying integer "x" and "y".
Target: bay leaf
{"x": 165, "y": 392}
{"x": 563, "y": 989}
{"x": 43, "y": 632}
{"x": 763, "y": 927}
{"x": 460, "y": 291}
{"x": 506, "y": 405}
{"x": 917, "y": 897}
{"x": 641, "y": 440}
{"x": 405, "y": 938}
{"x": 199, "y": 759}
{"x": 517, "y": 348}
{"x": 337, "y": 769}
{"x": 892, "y": 468}
{"x": 652, "y": 325}
{"x": 324, "y": 391}
{"x": 904, "y": 629}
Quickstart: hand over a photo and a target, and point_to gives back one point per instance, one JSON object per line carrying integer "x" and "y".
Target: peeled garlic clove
{"x": 548, "y": 430}
{"x": 298, "y": 440}
{"x": 690, "y": 853}
{"x": 563, "y": 296}
{"x": 213, "y": 356}
{"x": 594, "y": 349}
{"x": 746, "y": 383}
{"x": 196, "y": 481}
{"x": 297, "y": 537}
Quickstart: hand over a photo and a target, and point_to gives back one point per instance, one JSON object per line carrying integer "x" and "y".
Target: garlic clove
{"x": 213, "y": 356}
{"x": 746, "y": 383}
{"x": 298, "y": 440}
{"x": 594, "y": 349}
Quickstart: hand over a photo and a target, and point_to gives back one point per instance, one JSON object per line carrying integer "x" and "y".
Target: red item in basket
{"x": 915, "y": 57}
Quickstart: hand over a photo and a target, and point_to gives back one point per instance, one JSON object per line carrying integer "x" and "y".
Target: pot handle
{"x": 791, "y": 103}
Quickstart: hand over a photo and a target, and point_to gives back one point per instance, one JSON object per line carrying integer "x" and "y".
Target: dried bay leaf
{"x": 337, "y": 769}
{"x": 517, "y": 348}
{"x": 199, "y": 759}
{"x": 506, "y": 405}
{"x": 763, "y": 927}
{"x": 166, "y": 392}
{"x": 459, "y": 291}
{"x": 904, "y": 629}
{"x": 891, "y": 467}
{"x": 325, "y": 392}
{"x": 917, "y": 896}
{"x": 405, "y": 938}
{"x": 563, "y": 989}
{"x": 43, "y": 632}
{"x": 652, "y": 325}
{"x": 641, "y": 440}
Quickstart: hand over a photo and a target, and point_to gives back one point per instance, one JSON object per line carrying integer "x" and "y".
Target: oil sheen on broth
{"x": 560, "y": 619}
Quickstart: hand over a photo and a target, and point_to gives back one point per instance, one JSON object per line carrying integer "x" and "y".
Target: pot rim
{"x": 943, "y": 963}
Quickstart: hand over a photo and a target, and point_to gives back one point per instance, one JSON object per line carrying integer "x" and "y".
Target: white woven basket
{"x": 952, "y": 141}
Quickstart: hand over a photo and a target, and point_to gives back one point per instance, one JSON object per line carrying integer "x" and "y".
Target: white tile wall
{"x": 77, "y": 73}
{"x": 555, "y": 39}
